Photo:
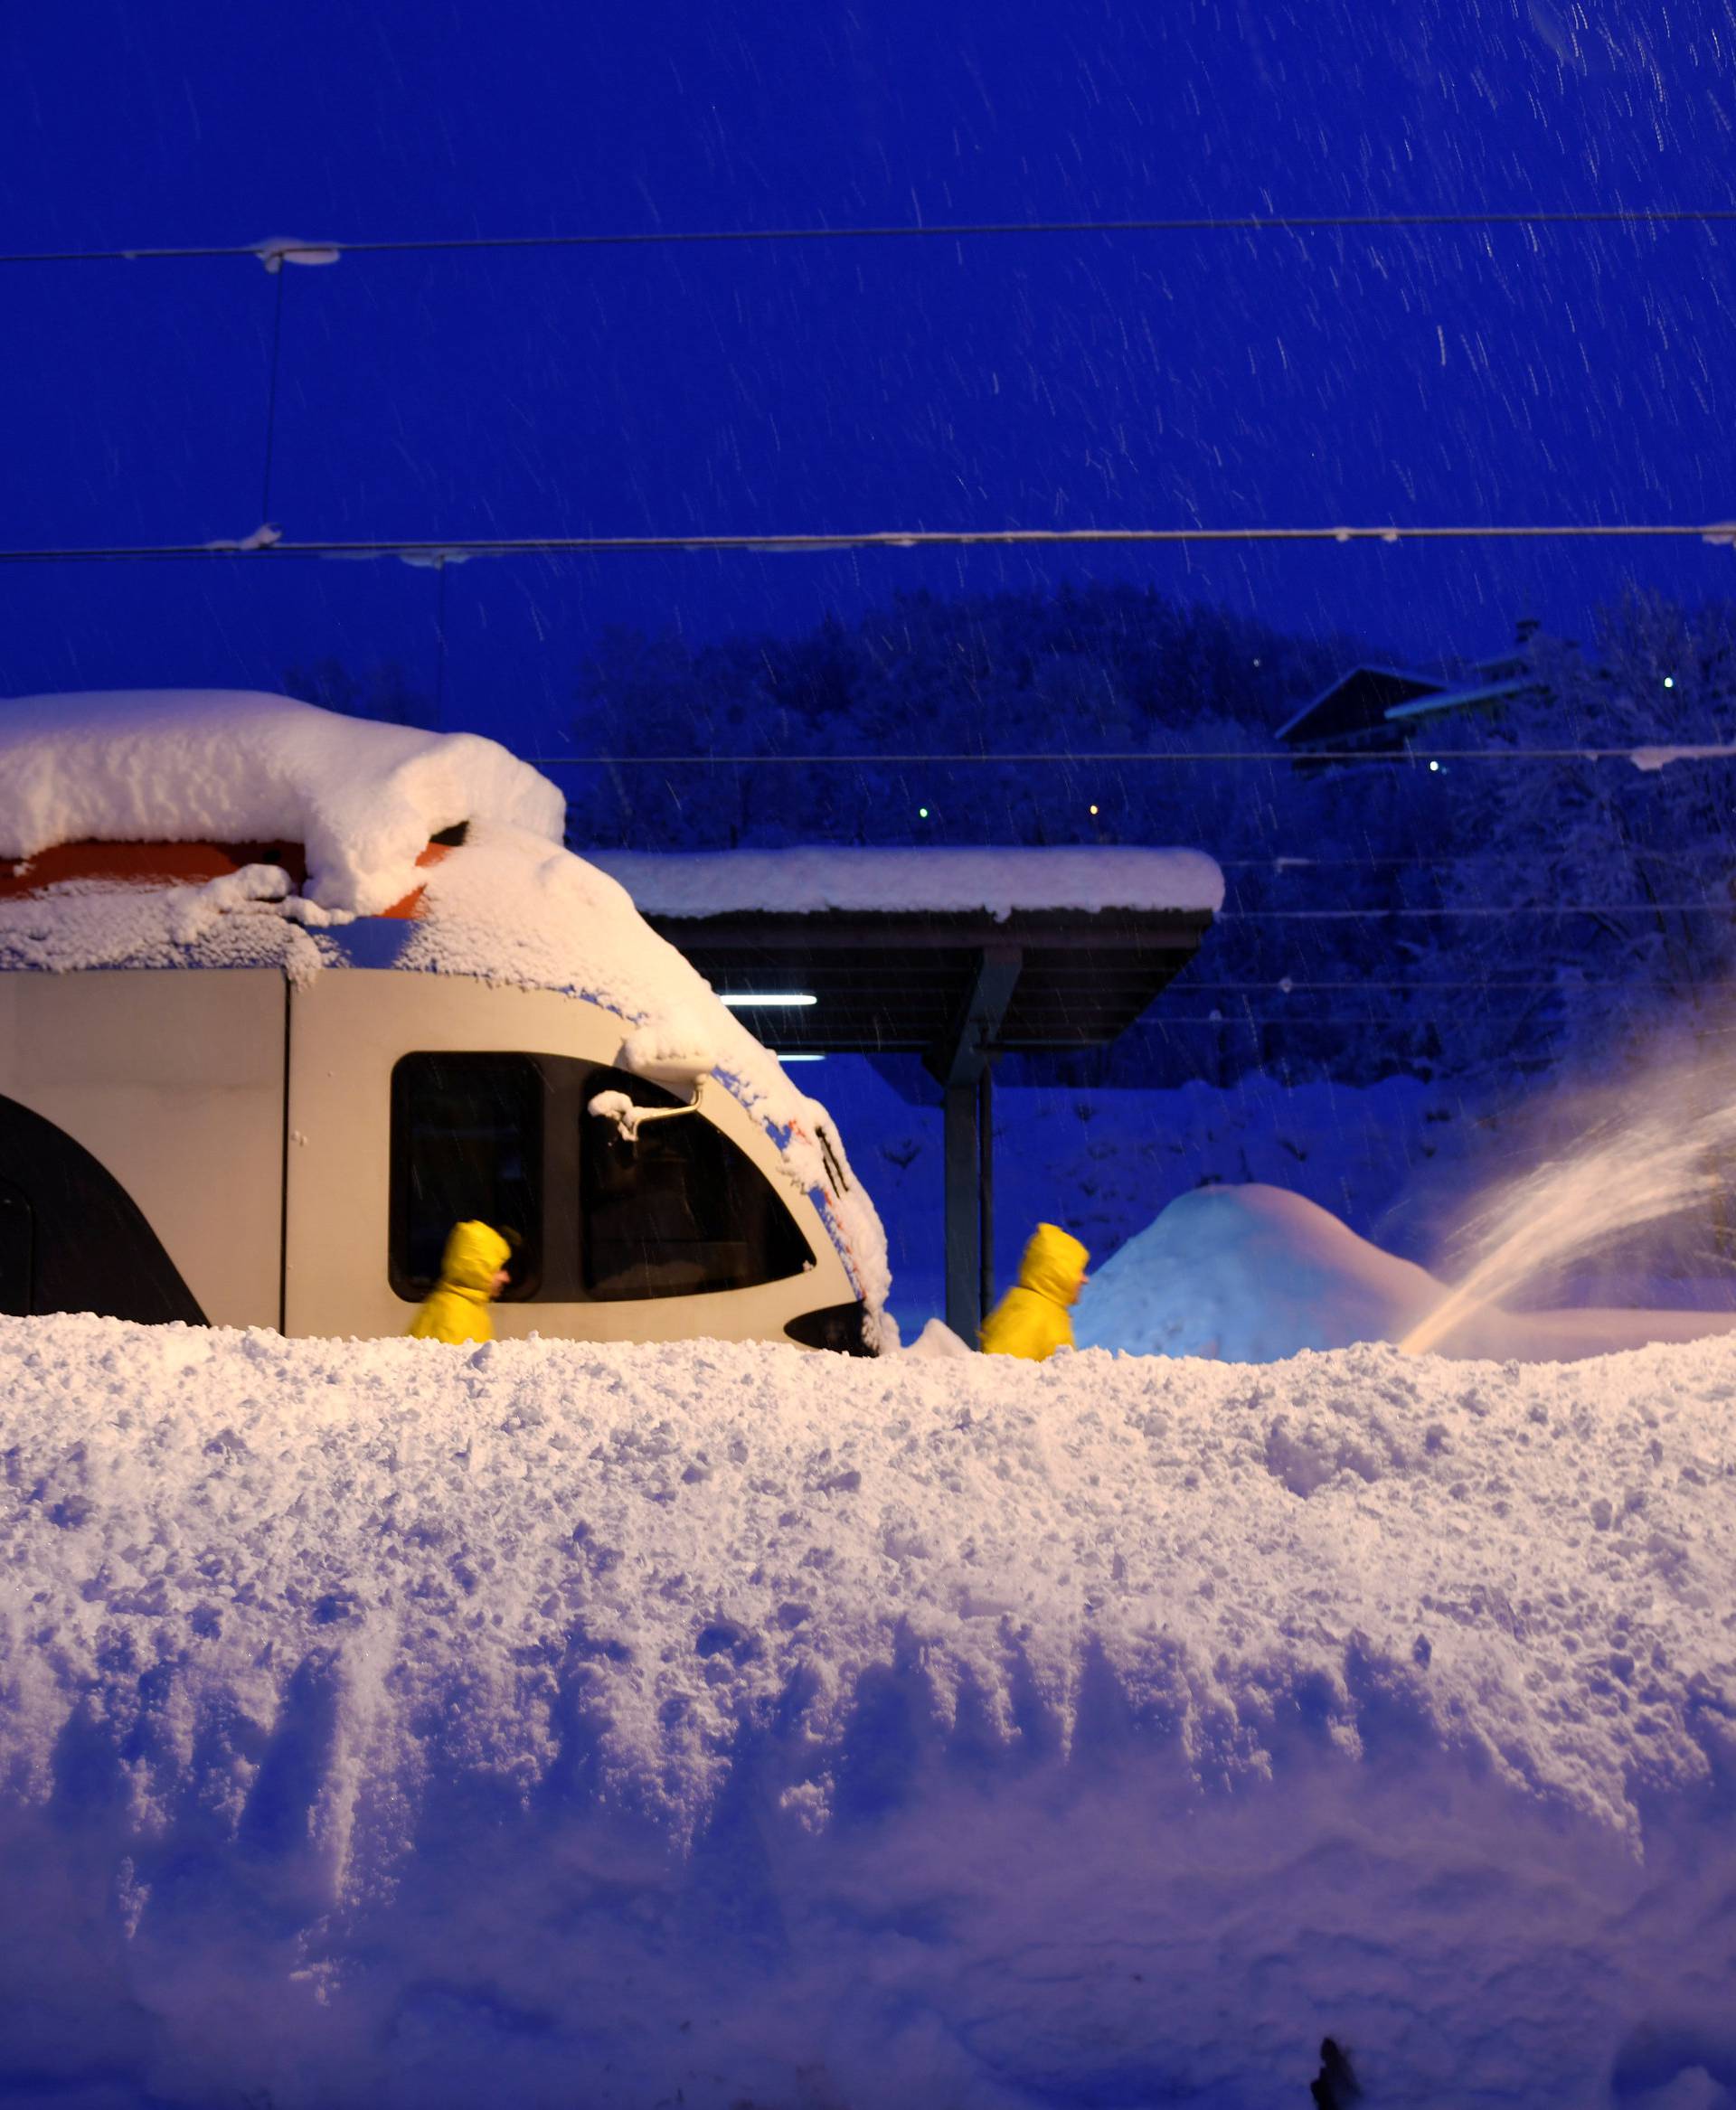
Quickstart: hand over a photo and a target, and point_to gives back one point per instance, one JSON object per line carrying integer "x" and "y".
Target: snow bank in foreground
{"x": 388, "y": 1724}
{"x": 826, "y": 876}
{"x": 220, "y": 764}
{"x": 1254, "y": 1273}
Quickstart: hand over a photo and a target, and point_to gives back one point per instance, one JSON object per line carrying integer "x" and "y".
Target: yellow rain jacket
{"x": 1031, "y": 1320}
{"x": 457, "y": 1308}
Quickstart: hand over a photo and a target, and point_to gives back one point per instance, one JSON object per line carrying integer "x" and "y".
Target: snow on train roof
{"x": 999, "y": 881}
{"x": 510, "y": 905}
{"x": 233, "y": 765}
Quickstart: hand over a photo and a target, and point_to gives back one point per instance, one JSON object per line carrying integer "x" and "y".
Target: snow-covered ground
{"x": 387, "y": 1724}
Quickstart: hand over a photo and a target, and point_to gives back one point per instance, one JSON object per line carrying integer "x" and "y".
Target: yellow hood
{"x": 475, "y": 1254}
{"x": 1054, "y": 1264}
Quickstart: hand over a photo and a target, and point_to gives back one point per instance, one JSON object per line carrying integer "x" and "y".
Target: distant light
{"x": 783, "y": 1057}
{"x": 1669, "y": 681}
{"x": 769, "y": 1000}
{"x": 922, "y": 813}
{"x": 1432, "y": 766}
{"x": 1256, "y": 662}
{"x": 1093, "y": 809}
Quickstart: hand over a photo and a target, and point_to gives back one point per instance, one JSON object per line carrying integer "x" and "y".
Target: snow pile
{"x": 938, "y": 881}
{"x": 1253, "y": 1274}
{"x": 1249, "y": 1274}
{"x": 548, "y": 1723}
{"x": 226, "y": 765}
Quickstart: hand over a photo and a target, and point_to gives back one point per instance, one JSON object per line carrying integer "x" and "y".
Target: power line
{"x": 1261, "y": 1021}
{"x": 456, "y": 550}
{"x": 942, "y": 231}
{"x": 1476, "y": 861}
{"x": 1416, "y": 988}
{"x": 1515, "y": 909}
{"x": 1643, "y": 756}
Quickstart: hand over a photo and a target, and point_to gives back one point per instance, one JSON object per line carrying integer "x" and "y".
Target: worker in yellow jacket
{"x": 1031, "y": 1320}
{"x": 473, "y": 1269}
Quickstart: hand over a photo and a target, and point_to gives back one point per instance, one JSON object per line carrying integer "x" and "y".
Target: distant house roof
{"x": 1358, "y": 703}
{"x": 1376, "y": 707}
{"x": 1461, "y": 699}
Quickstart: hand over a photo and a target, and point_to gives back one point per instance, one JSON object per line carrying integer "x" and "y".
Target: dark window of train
{"x": 466, "y": 1144}
{"x": 18, "y": 1253}
{"x": 678, "y": 1210}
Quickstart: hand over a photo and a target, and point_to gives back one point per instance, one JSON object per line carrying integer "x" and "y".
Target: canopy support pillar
{"x": 961, "y": 1064}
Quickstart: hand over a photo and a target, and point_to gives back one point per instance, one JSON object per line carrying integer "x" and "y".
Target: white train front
{"x": 240, "y": 1086}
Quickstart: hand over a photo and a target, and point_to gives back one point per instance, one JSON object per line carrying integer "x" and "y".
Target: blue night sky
{"x": 1498, "y": 375}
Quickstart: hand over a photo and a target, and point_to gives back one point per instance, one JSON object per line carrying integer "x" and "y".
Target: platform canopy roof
{"x": 950, "y": 954}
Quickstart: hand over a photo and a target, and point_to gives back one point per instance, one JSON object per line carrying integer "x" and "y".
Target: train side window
{"x": 466, "y": 1143}
{"x": 679, "y": 1210}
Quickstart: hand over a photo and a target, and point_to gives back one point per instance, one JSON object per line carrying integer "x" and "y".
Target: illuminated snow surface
{"x": 389, "y": 1724}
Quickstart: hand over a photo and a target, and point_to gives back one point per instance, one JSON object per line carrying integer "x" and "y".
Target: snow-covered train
{"x": 283, "y": 997}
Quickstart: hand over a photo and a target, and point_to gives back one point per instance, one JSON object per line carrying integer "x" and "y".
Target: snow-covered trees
{"x": 1616, "y": 879}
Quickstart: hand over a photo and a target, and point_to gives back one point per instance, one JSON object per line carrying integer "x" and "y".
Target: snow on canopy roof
{"x": 237, "y": 766}
{"x": 1000, "y": 881}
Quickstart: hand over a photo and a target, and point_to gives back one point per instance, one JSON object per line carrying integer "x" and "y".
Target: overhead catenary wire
{"x": 274, "y": 255}
{"x": 1479, "y": 914}
{"x": 457, "y": 549}
{"x": 1288, "y": 986}
{"x": 1645, "y": 757}
{"x": 1262, "y": 1021}
{"x": 1450, "y": 861}
{"x": 1243, "y": 223}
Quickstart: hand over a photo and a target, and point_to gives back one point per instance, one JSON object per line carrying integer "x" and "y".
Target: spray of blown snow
{"x": 1633, "y": 1167}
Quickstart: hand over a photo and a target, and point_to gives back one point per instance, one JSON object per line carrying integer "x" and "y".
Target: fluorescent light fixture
{"x": 769, "y": 1000}
{"x": 783, "y": 1057}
